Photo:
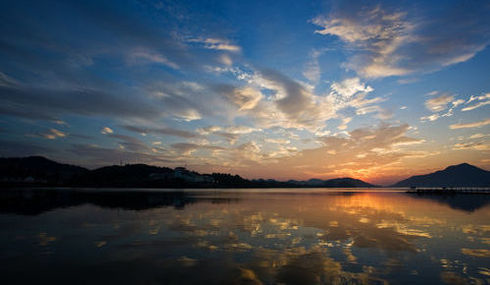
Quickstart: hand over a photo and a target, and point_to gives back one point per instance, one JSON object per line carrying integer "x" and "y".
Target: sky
{"x": 374, "y": 90}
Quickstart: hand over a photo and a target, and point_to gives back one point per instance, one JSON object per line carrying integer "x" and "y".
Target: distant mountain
{"x": 37, "y": 169}
{"x": 336, "y": 182}
{"x": 461, "y": 175}
{"x": 347, "y": 182}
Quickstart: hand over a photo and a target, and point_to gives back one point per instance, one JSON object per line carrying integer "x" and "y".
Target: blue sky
{"x": 274, "y": 89}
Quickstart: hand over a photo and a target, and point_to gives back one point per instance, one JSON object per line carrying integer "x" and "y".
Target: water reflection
{"x": 241, "y": 237}
{"x": 36, "y": 201}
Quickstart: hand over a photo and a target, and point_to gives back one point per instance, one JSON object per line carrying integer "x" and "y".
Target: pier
{"x": 450, "y": 190}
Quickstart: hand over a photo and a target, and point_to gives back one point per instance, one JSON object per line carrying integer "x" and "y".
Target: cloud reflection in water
{"x": 242, "y": 237}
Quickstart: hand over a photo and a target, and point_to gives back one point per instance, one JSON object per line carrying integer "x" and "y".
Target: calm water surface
{"x": 289, "y": 236}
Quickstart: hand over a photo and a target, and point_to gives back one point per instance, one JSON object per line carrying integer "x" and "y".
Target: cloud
{"x": 477, "y": 105}
{"x": 217, "y": 44}
{"x": 96, "y": 156}
{"x": 344, "y": 123}
{"x": 149, "y": 56}
{"x": 240, "y": 129}
{"x": 7, "y": 81}
{"x": 439, "y": 103}
{"x": 277, "y": 141}
{"x": 231, "y": 133}
{"x": 60, "y": 122}
{"x": 485, "y": 98}
{"x": 478, "y": 98}
{"x": 189, "y": 148}
{"x": 106, "y": 130}
{"x": 481, "y": 146}
{"x": 350, "y": 92}
{"x": 349, "y": 87}
{"x": 312, "y": 68}
{"x": 295, "y": 102}
{"x": 131, "y": 143}
{"x": 226, "y": 59}
{"x": 161, "y": 131}
{"x": 478, "y": 136}
{"x": 186, "y": 100}
{"x": 44, "y": 103}
{"x": 389, "y": 42}
{"x": 91, "y": 64}
{"x": 188, "y": 115}
{"x": 114, "y": 32}
{"x": 209, "y": 130}
{"x": 363, "y": 152}
{"x": 431, "y": 118}
{"x": 53, "y": 134}
{"x": 378, "y": 34}
{"x": 470, "y": 125}
{"x": 272, "y": 99}
{"x": 245, "y": 98}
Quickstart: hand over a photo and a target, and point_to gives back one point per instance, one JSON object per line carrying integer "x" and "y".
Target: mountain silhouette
{"x": 131, "y": 175}
{"x": 40, "y": 171}
{"x": 461, "y": 175}
{"x": 336, "y": 182}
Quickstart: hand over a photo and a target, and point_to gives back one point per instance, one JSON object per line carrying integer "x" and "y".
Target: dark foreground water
{"x": 298, "y": 236}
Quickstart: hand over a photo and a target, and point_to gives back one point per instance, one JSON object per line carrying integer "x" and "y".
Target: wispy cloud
{"x": 485, "y": 100}
{"x": 230, "y": 133}
{"x": 389, "y": 42}
{"x": 477, "y": 105}
{"x": 277, "y": 141}
{"x": 53, "y": 134}
{"x": 478, "y": 136}
{"x": 48, "y": 103}
{"x": 472, "y": 146}
{"x": 217, "y": 44}
{"x": 470, "y": 125}
{"x": 7, "y": 81}
{"x": 312, "y": 68}
{"x": 189, "y": 148}
{"x": 161, "y": 131}
{"x": 131, "y": 143}
{"x": 153, "y": 57}
{"x": 439, "y": 103}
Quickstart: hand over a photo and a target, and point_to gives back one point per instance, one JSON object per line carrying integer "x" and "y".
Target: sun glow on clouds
{"x": 53, "y": 134}
{"x": 177, "y": 88}
{"x": 106, "y": 130}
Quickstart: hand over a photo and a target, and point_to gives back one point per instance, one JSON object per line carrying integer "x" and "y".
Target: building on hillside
{"x": 189, "y": 176}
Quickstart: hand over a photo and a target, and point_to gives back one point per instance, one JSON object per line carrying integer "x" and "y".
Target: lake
{"x": 242, "y": 236}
